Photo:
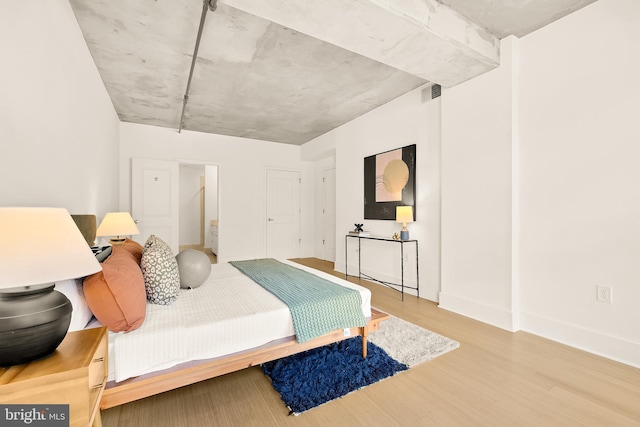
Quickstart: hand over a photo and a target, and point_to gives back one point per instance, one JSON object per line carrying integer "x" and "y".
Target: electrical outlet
{"x": 604, "y": 294}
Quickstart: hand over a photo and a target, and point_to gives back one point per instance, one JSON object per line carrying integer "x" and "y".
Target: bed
{"x": 174, "y": 346}
{"x": 226, "y": 324}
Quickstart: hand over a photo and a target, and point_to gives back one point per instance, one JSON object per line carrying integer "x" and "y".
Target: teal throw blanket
{"x": 318, "y": 306}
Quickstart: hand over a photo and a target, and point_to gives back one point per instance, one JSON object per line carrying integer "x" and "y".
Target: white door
{"x": 154, "y": 200}
{"x": 283, "y": 214}
{"x": 329, "y": 214}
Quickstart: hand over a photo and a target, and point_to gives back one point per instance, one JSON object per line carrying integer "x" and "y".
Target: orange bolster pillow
{"x": 116, "y": 295}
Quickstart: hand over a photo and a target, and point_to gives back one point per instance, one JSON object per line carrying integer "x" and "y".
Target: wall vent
{"x": 431, "y": 92}
{"x": 436, "y": 91}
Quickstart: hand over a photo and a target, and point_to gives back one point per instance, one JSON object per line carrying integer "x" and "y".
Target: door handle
{"x": 270, "y": 219}
{"x": 137, "y": 221}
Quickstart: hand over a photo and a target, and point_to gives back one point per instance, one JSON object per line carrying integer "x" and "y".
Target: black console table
{"x": 400, "y": 287}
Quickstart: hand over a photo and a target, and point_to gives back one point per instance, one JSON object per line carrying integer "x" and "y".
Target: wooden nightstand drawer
{"x": 98, "y": 366}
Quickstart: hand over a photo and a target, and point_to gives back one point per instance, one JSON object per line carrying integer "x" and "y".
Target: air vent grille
{"x": 431, "y": 92}
{"x": 436, "y": 90}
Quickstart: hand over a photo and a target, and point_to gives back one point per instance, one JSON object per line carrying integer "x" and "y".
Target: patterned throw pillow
{"x": 160, "y": 272}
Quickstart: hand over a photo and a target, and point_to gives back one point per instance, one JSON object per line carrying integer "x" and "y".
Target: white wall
{"x": 540, "y": 191}
{"x": 210, "y": 202}
{"x": 60, "y": 130}
{"x": 242, "y": 165}
{"x": 189, "y": 195}
{"x": 403, "y": 121}
{"x": 477, "y": 139}
{"x": 580, "y": 179}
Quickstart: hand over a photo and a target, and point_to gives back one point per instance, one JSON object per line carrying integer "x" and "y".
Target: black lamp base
{"x": 33, "y": 323}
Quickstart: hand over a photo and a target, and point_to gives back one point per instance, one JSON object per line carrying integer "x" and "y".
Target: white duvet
{"x": 228, "y": 313}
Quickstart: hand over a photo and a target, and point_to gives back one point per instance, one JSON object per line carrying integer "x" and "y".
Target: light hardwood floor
{"x": 495, "y": 378}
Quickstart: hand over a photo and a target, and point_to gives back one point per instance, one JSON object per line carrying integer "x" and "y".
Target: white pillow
{"x": 81, "y": 314}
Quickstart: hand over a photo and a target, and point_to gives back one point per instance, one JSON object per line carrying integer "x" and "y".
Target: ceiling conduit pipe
{"x": 207, "y": 4}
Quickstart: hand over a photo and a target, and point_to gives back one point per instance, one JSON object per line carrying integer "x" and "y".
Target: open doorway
{"x": 198, "y": 211}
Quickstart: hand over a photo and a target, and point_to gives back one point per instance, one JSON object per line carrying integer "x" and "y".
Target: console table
{"x": 400, "y": 287}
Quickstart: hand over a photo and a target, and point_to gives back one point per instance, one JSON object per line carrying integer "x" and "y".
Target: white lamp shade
{"x": 41, "y": 246}
{"x": 404, "y": 214}
{"x": 117, "y": 224}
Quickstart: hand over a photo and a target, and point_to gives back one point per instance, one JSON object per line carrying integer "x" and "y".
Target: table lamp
{"x": 38, "y": 247}
{"x": 404, "y": 214}
{"x": 117, "y": 224}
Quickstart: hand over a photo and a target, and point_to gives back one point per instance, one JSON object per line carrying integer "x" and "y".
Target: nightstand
{"x": 75, "y": 374}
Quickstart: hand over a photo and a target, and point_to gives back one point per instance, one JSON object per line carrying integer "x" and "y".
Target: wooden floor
{"x": 495, "y": 378}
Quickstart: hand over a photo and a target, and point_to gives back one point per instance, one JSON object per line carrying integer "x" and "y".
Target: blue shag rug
{"x": 316, "y": 376}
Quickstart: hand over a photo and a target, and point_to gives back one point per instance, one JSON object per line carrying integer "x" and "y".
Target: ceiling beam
{"x": 421, "y": 37}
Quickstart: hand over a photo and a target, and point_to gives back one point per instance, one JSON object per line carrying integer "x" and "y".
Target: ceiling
{"x": 289, "y": 71}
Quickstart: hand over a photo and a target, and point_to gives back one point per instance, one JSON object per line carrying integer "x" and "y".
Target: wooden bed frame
{"x": 191, "y": 372}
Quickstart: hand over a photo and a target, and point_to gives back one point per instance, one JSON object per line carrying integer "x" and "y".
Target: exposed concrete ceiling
{"x": 515, "y": 17}
{"x": 290, "y": 70}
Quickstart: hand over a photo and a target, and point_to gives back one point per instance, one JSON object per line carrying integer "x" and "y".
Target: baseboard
{"x": 618, "y": 349}
{"x": 495, "y": 316}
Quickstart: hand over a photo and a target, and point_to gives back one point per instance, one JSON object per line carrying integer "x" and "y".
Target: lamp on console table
{"x": 404, "y": 214}
{"x": 117, "y": 224}
{"x": 38, "y": 247}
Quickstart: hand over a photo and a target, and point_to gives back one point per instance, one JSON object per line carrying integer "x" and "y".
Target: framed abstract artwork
{"x": 389, "y": 181}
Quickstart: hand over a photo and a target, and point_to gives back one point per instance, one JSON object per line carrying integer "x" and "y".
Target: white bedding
{"x": 226, "y": 314}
